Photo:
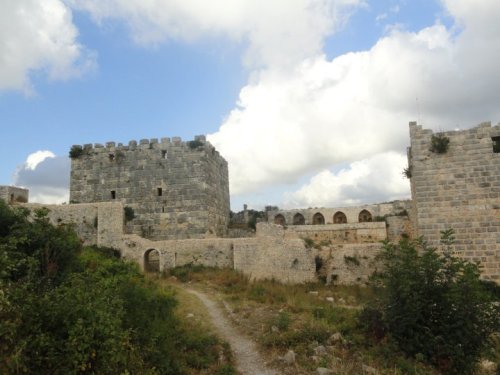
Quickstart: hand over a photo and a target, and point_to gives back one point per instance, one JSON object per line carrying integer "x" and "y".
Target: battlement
{"x": 199, "y": 143}
{"x": 177, "y": 189}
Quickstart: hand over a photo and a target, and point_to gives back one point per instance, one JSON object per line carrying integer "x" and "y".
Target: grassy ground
{"x": 194, "y": 318}
{"x": 301, "y": 318}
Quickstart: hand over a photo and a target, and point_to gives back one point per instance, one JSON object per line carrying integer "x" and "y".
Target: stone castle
{"x": 165, "y": 204}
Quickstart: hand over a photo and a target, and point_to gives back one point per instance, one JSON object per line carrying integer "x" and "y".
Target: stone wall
{"x": 342, "y": 233}
{"x": 335, "y": 215}
{"x": 459, "y": 189}
{"x": 176, "y": 189}
{"x": 14, "y": 194}
{"x": 84, "y": 218}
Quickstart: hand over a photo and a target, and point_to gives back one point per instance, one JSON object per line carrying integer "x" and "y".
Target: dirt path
{"x": 248, "y": 360}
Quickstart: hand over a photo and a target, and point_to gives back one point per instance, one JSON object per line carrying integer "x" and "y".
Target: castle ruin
{"x": 179, "y": 194}
{"x": 174, "y": 189}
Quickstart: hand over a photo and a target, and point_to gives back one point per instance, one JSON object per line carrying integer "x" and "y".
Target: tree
{"x": 434, "y": 305}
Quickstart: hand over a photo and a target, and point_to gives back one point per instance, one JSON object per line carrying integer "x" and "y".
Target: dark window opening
{"x": 299, "y": 219}
{"x": 163, "y": 209}
{"x": 496, "y": 144}
{"x": 318, "y": 219}
{"x": 339, "y": 218}
{"x": 365, "y": 216}
{"x": 160, "y": 192}
{"x": 279, "y": 220}
{"x": 111, "y": 157}
{"x": 164, "y": 154}
{"x": 113, "y": 194}
{"x": 12, "y": 198}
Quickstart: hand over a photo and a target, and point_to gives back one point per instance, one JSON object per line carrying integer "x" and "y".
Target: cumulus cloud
{"x": 46, "y": 176}
{"x": 375, "y": 179}
{"x": 325, "y": 112}
{"x": 38, "y": 35}
{"x": 278, "y": 32}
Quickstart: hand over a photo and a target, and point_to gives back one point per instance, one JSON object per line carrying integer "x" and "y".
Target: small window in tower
{"x": 496, "y": 144}
{"x": 113, "y": 194}
{"x": 163, "y": 209}
{"x": 164, "y": 154}
{"x": 160, "y": 192}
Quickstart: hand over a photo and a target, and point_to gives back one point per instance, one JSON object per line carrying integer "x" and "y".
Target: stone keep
{"x": 459, "y": 189}
{"x": 176, "y": 189}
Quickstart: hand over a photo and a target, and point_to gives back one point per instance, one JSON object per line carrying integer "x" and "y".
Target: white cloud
{"x": 376, "y": 179}
{"x": 46, "y": 176}
{"x": 36, "y": 158}
{"x": 278, "y": 32}
{"x": 38, "y": 35}
{"x": 325, "y": 112}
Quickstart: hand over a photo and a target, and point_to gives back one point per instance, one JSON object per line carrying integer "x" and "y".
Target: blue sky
{"x": 308, "y": 100}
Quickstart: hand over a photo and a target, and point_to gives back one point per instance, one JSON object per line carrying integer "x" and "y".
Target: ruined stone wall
{"x": 352, "y": 214}
{"x": 459, "y": 189}
{"x": 84, "y": 218}
{"x": 176, "y": 189}
{"x": 13, "y": 194}
{"x": 342, "y": 233}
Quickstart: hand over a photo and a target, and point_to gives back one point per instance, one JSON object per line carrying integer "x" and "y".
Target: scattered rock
{"x": 190, "y": 316}
{"x": 342, "y": 301}
{"x": 330, "y": 299}
{"x": 274, "y": 329}
{"x": 369, "y": 370}
{"x": 315, "y": 358}
{"x": 172, "y": 278}
{"x": 330, "y": 348}
{"x": 335, "y": 338}
{"x": 320, "y": 350}
{"x": 323, "y": 371}
{"x": 289, "y": 357}
{"x": 314, "y": 292}
{"x": 488, "y": 367}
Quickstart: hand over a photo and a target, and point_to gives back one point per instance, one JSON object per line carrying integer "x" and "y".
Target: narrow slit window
{"x": 160, "y": 192}
{"x": 113, "y": 194}
{"x": 164, "y": 154}
{"x": 496, "y": 144}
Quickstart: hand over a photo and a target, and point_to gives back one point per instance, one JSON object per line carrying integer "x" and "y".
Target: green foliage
{"x": 194, "y": 145}
{"x": 434, "y": 305}
{"x": 282, "y": 321}
{"x": 439, "y": 143}
{"x": 309, "y": 242}
{"x": 76, "y": 151}
{"x": 65, "y": 310}
{"x": 128, "y": 213}
{"x": 407, "y": 172}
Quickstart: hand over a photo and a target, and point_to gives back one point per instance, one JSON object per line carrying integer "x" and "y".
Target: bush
{"x": 75, "y": 152}
{"x": 129, "y": 213}
{"x": 435, "y": 306}
{"x": 439, "y": 143}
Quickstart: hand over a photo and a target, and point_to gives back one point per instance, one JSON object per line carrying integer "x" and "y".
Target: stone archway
{"x": 298, "y": 219}
{"x": 339, "y": 218}
{"x": 365, "y": 216}
{"x": 279, "y": 219}
{"x": 318, "y": 219}
{"x": 152, "y": 260}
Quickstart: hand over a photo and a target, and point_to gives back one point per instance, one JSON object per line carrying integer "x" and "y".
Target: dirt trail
{"x": 248, "y": 360}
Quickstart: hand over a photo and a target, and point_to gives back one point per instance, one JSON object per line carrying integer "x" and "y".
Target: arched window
{"x": 339, "y": 218}
{"x": 279, "y": 219}
{"x": 318, "y": 219}
{"x": 365, "y": 216}
{"x": 298, "y": 219}
{"x": 152, "y": 260}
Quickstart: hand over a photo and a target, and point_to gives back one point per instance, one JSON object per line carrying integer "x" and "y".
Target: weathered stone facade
{"x": 14, "y": 194}
{"x": 176, "y": 189}
{"x": 459, "y": 189}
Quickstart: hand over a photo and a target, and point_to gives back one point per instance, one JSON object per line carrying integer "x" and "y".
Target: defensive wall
{"x": 459, "y": 189}
{"x": 176, "y": 189}
{"x": 14, "y": 194}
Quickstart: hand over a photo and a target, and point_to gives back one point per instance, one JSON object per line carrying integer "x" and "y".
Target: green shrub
{"x": 435, "y": 306}
{"x": 309, "y": 242}
{"x": 75, "y": 152}
{"x": 407, "y": 172}
{"x": 439, "y": 143}
{"x": 129, "y": 213}
{"x": 351, "y": 260}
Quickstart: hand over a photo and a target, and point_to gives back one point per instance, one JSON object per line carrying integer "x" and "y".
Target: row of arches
{"x": 318, "y": 219}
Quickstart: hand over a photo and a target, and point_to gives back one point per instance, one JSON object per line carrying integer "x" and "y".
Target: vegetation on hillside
{"x": 66, "y": 310}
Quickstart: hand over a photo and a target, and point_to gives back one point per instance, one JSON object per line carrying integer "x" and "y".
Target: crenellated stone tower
{"x": 459, "y": 189}
{"x": 176, "y": 189}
